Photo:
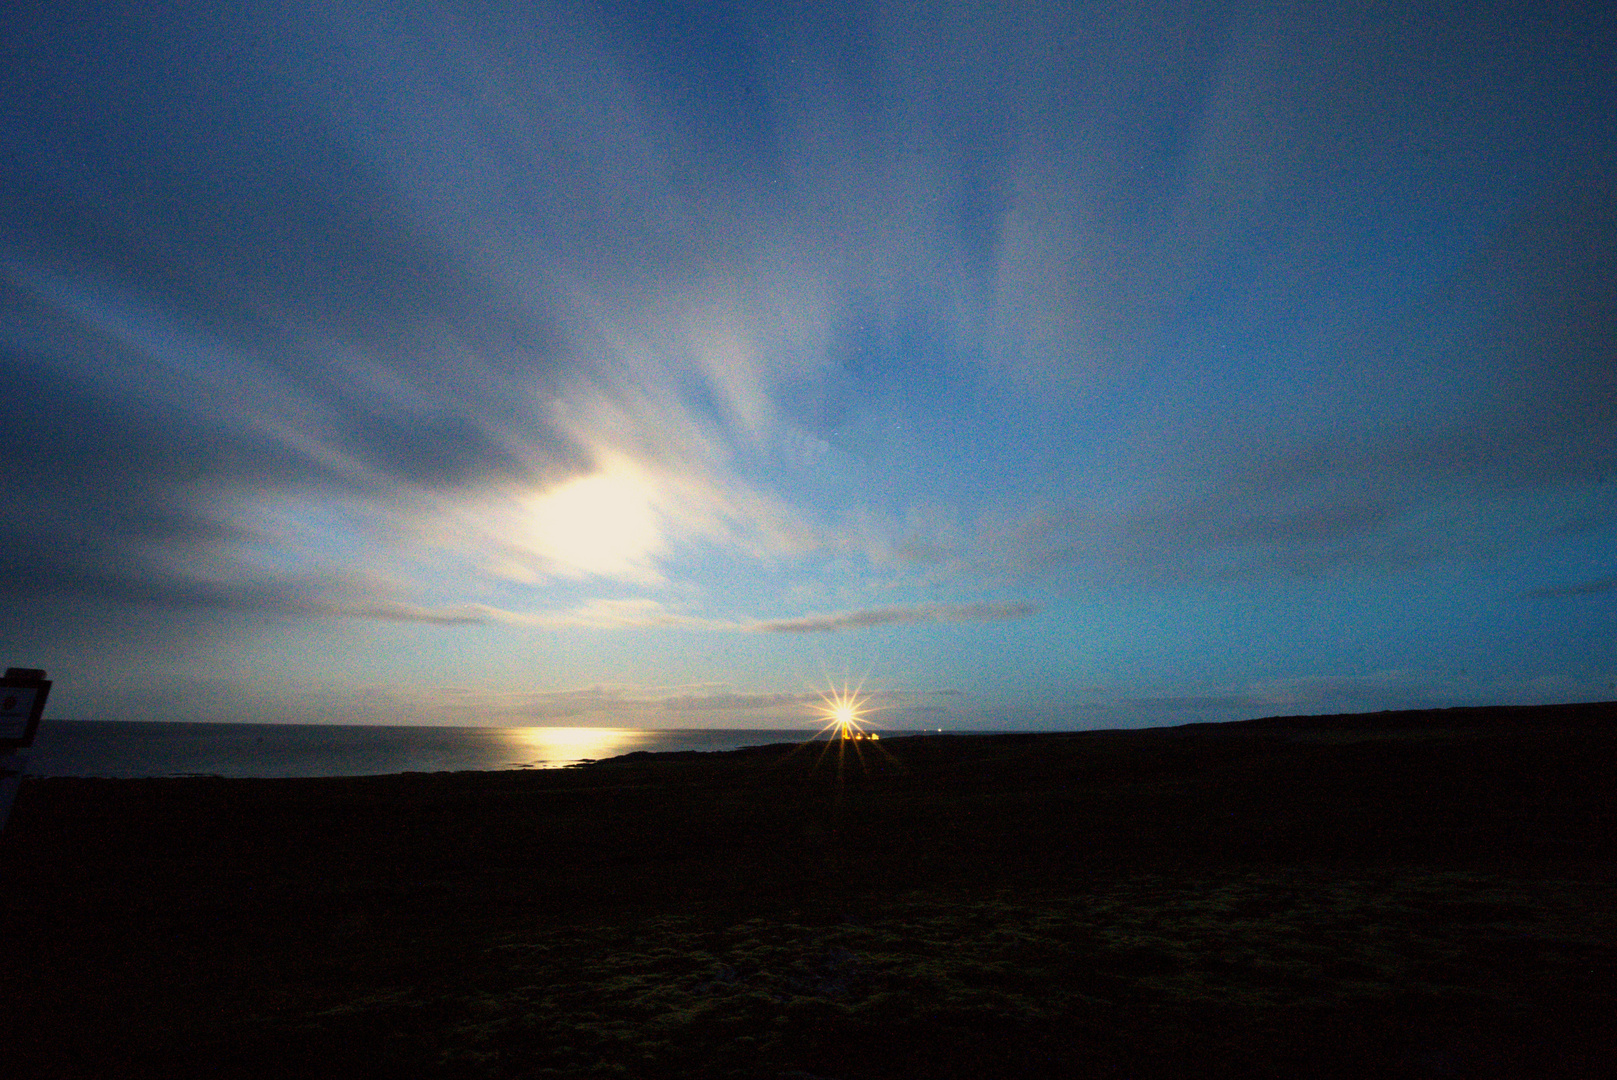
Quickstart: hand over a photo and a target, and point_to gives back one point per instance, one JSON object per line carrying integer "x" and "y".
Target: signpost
{"x": 22, "y": 702}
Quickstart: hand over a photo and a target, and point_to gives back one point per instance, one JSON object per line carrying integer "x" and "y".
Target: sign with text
{"x": 22, "y": 701}
{"x": 16, "y": 709}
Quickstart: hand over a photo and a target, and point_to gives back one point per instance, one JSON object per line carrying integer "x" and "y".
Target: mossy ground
{"x": 945, "y": 985}
{"x": 1121, "y": 904}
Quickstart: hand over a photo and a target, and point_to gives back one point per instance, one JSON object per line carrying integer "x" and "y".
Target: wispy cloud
{"x": 645, "y": 612}
{"x": 897, "y": 614}
{"x": 1371, "y": 691}
{"x": 628, "y": 705}
{"x": 1309, "y": 694}
{"x": 1582, "y": 588}
{"x": 728, "y": 702}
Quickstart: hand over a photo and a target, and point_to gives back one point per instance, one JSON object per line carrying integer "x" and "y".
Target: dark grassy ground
{"x": 1396, "y": 895}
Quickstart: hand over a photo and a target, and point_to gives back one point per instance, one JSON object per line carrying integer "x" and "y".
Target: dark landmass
{"x": 1393, "y": 894}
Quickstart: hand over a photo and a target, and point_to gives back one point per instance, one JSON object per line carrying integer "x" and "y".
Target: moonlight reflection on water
{"x": 553, "y": 745}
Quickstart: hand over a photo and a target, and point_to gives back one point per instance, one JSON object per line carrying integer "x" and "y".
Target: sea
{"x": 114, "y": 748}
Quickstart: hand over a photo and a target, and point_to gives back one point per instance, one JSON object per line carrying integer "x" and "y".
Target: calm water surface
{"x": 136, "y": 749}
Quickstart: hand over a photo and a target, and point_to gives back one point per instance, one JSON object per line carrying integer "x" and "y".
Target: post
{"x": 22, "y": 702}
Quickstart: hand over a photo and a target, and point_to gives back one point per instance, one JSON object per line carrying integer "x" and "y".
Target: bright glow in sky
{"x": 616, "y": 365}
{"x": 603, "y": 524}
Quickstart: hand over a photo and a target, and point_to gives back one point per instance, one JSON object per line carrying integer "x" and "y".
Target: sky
{"x": 1034, "y": 366}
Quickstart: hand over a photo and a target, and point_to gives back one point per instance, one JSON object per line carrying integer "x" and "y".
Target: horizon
{"x": 822, "y": 730}
{"x": 673, "y": 366}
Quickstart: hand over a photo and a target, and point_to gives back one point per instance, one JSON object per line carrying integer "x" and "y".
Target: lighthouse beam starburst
{"x": 845, "y": 725}
{"x": 843, "y": 713}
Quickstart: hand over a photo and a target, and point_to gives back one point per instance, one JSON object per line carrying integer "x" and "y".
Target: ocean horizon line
{"x": 159, "y": 748}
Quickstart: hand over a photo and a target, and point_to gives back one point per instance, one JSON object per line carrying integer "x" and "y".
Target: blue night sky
{"x": 1045, "y": 366}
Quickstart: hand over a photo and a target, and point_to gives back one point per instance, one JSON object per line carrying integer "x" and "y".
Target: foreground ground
{"x": 1392, "y": 895}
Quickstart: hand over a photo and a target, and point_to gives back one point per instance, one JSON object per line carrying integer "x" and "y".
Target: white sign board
{"x": 16, "y": 706}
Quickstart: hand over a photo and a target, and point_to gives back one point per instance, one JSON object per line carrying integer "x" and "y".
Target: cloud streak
{"x": 1582, "y": 588}
{"x": 645, "y": 613}
{"x": 895, "y": 615}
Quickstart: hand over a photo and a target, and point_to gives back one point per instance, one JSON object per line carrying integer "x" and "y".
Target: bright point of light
{"x": 842, "y": 713}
